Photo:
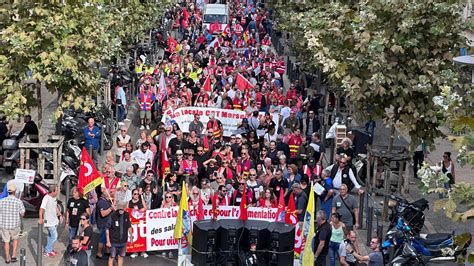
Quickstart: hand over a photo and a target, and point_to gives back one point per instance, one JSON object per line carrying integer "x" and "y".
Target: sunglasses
{"x": 83, "y": 219}
{"x": 253, "y": 175}
{"x": 135, "y": 194}
{"x": 125, "y": 185}
{"x": 195, "y": 193}
{"x": 168, "y": 197}
{"x": 123, "y": 130}
{"x": 241, "y": 184}
{"x": 224, "y": 191}
{"x": 200, "y": 150}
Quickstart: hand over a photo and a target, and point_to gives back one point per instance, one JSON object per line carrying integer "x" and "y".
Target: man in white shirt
{"x": 48, "y": 214}
{"x": 143, "y": 155}
{"x": 340, "y": 174}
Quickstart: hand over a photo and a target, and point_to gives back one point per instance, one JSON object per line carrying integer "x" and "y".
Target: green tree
{"x": 388, "y": 57}
{"x": 63, "y": 44}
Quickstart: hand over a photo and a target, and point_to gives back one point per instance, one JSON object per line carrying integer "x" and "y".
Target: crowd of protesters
{"x": 266, "y": 157}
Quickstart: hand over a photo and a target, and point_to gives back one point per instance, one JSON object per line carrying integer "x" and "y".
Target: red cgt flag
{"x": 226, "y": 31}
{"x": 89, "y": 177}
{"x": 200, "y": 210}
{"x": 215, "y": 205}
{"x": 207, "y": 84}
{"x": 290, "y": 217}
{"x": 172, "y": 44}
{"x": 243, "y": 206}
{"x": 280, "y": 215}
{"x": 242, "y": 83}
{"x": 165, "y": 164}
{"x": 214, "y": 27}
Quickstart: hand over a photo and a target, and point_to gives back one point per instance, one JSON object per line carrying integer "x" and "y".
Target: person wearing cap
{"x": 11, "y": 211}
{"x": 117, "y": 234}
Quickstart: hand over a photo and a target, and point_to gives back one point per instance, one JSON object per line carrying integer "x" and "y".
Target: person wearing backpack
{"x": 347, "y": 206}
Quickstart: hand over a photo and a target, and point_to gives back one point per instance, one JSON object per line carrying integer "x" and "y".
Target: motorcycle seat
{"x": 435, "y": 239}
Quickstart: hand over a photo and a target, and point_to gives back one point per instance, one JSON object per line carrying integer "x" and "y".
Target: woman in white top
{"x": 447, "y": 167}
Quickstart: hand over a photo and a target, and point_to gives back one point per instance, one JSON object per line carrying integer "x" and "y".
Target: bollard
{"x": 361, "y": 210}
{"x": 370, "y": 216}
{"x": 22, "y": 257}
{"x": 39, "y": 255}
{"x": 102, "y": 133}
{"x": 68, "y": 188}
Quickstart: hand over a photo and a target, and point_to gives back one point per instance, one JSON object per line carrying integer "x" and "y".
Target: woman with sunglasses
{"x": 86, "y": 231}
{"x": 172, "y": 186}
{"x": 137, "y": 204}
{"x": 169, "y": 201}
{"x": 267, "y": 199}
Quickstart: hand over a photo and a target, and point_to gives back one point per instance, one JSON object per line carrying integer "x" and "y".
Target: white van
{"x": 213, "y": 13}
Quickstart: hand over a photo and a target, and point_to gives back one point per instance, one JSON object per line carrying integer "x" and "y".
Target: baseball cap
{"x": 238, "y": 136}
{"x": 11, "y": 187}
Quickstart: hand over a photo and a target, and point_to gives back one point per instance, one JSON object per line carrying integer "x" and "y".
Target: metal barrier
{"x": 371, "y": 212}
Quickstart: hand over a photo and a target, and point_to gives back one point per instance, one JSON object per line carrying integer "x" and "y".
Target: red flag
{"x": 89, "y": 177}
{"x": 215, "y": 205}
{"x": 226, "y": 31}
{"x": 318, "y": 169}
{"x": 290, "y": 217}
{"x": 207, "y": 84}
{"x": 165, "y": 164}
{"x": 243, "y": 206}
{"x": 280, "y": 215}
{"x": 307, "y": 171}
{"x": 242, "y": 83}
{"x": 172, "y": 43}
{"x": 200, "y": 210}
{"x": 214, "y": 27}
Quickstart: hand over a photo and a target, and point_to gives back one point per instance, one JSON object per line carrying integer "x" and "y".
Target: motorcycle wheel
{"x": 108, "y": 144}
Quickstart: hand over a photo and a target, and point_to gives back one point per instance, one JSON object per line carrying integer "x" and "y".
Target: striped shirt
{"x": 10, "y": 210}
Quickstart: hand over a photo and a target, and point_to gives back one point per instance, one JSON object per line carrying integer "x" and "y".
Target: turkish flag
{"x": 207, "y": 84}
{"x": 242, "y": 83}
{"x": 243, "y": 205}
{"x": 280, "y": 215}
{"x": 172, "y": 44}
{"x": 290, "y": 217}
{"x": 214, "y": 27}
{"x": 89, "y": 177}
{"x": 200, "y": 210}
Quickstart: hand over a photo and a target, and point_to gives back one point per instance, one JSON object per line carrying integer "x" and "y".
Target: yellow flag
{"x": 308, "y": 231}
{"x": 183, "y": 221}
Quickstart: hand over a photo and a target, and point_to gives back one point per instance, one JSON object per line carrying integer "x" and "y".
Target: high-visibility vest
{"x": 215, "y": 127}
{"x": 236, "y": 104}
{"x": 258, "y": 99}
{"x": 145, "y": 101}
{"x": 245, "y": 168}
{"x": 294, "y": 144}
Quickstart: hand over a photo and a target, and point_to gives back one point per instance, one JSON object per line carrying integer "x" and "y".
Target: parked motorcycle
{"x": 437, "y": 248}
{"x": 34, "y": 196}
{"x": 11, "y": 153}
{"x": 412, "y": 212}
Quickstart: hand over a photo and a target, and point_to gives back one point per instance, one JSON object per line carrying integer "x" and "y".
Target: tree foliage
{"x": 388, "y": 57}
{"x": 63, "y": 44}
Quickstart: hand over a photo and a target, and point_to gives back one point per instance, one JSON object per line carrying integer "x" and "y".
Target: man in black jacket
{"x": 30, "y": 129}
{"x": 117, "y": 234}
{"x": 75, "y": 255}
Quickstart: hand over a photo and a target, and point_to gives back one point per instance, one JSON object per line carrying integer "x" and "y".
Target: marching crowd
{"x": 232, "y": 67}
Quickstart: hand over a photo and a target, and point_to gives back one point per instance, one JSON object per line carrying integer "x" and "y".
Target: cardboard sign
{"x": 25, "y": 176}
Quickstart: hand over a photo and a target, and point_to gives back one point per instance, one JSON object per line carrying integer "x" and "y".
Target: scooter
{"x": 34, "y": 197}
{"x": 420, "y": 251}
{"x": 11, "y": 153}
